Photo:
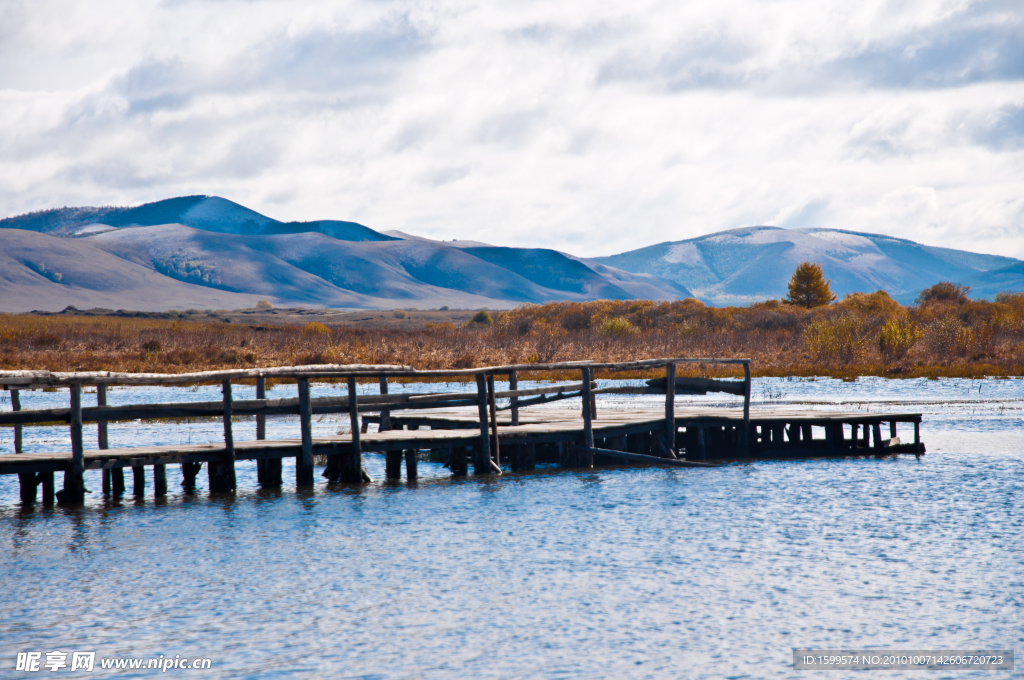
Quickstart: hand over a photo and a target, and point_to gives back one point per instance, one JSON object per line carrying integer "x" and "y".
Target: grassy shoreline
{"x": 859, "y": 336}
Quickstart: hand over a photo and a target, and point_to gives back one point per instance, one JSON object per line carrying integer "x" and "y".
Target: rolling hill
{"x": 203, "y": 252}
{"x": 207, "y": 252}
{"x": 745, "y": 265}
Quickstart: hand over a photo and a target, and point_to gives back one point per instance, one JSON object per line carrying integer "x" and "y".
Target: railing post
{"x": 222, "y": 472}
{"x": 28, "y": 481}
{"x": 385, "y": 414}
{"x": 354, "y": 472}
{"x": 513, "y": 385}
{"x": 304, "y": 461}
{"x": 494, "y": 419}
{"x": 746, "y": 408}
{"x": 670, "y": 409}
{"x": 261, "y": 431}
{"x": 101, "y": 438}
{"x": 586, "y": 458}
{"x": 74, "y": 482}
{"x": 482, "y": 459}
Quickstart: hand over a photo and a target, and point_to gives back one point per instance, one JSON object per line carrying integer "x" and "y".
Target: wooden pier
{"x": 466, "y": 428}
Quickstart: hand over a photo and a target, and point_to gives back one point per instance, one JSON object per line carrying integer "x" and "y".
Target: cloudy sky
{"x": 594, "y": 127}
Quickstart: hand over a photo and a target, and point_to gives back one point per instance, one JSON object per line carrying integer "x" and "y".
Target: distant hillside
{"x": 215, "y": 253}
{"x": 754, "y": 263}
{"x": 210, "y": 213}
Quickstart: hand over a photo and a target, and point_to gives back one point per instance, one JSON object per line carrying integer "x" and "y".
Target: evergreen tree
{"x": 808, "y": 287}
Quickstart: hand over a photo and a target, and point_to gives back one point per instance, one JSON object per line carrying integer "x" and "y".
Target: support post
{"x": 586, "y": 458}
{"x": 482, "y": 457}
{"x": 138, "y": 481}
{"x": 74, "y": 484}
{"x": 261, "y": 431}
{"x": 745, "y": 443}
{"x": 670, "y": 409}
{"x": 189, "y": 472}
{"x": 385, "y": 414}
{"x": 529, "y": 460}
{"x": 101, "y": 438}
{"x": 222, "y": 472}
{"x": 876, "y": 435}
{"x": 493, "y": 409}
{"x": 304, "y": 461}
{"x": 393, "y": 464}
{"x": 892, "y": 429}
{"x": 355, "y": 472}
{"x": 411, "y": 471}
{"x": 28, "y": 480}
{"x": 159, "y": 480}
{"x": 917, "y": 436}
{"x": 457, "y": 461}
{"x": 513, "y": 384}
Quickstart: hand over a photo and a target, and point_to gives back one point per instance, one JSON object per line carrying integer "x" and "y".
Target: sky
{"x": 587, "y": 126}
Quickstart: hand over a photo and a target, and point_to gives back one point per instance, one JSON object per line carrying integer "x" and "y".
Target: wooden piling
{"x": 385, "y": 414}
{"x": 393, "y": 464}
{"x": 189, "y": 472}
{"x": 492, "y": 408}
{"x": 457, "y": 461}
{"x": 304, "y": 461}
{"x": 138, "y": 481}
{"x": 101, "y": 437}
{"x": 745, "y": 432}
{"x": 513, "y": 385}
{"x": 586, "y": 458}
{"x": 670, "y": 409}
{"x": 28, "y": 481}
{"x": 482, "y": 457}
{"x": 411, "y": 471}
{"x": 876, "y": 435}
{"x": 74, "y": 484}
{"x": 353, "y": 472}
{"x": 159, "y": 480}
{"x": 221, "y": 473}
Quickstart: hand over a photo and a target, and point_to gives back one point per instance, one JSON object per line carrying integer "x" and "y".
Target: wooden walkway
{"x": 461, "y": 428}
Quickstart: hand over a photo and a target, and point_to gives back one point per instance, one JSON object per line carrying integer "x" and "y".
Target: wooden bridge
{"x": 468, "y": 427}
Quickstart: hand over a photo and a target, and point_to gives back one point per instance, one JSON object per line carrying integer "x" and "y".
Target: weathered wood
{"x": 51, "y": 379}
{"x": 495, "y": 448}
{"x": 892, "y": 429}
{"x": 513, "y": 386}
{"x": 221, "y": 473}
{"x": 876, "y": 435}
{"x": 189, "y": 472}
{"x": 385, "y": 414}
{"x": 393, "y": 464}
{"x": 74, "y": 483}
{"x": 138, "y": 481}
{"x": 159, "y": 480}
{"x": 587, "y": 457}
{"x": 353, "y": 472}
{"x": 304, "y": 461}
{"x": 482, "y": 453}
{"x": 262, "y": 473}
{"x": 101, "y": 434}
{"x": 411, "y": 469}
{"x": 670, "y": 408}
{"x": 457, "y": 461}
{"x": 27, "y": 481}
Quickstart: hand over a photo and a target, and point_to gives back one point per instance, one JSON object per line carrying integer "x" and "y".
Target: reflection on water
{"x": 610, "y": 573}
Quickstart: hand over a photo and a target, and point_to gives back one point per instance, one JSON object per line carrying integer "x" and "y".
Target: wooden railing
{"x": 222, "y": 475}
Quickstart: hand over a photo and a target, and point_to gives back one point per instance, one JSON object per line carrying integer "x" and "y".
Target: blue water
{"x": 610, "y": 573}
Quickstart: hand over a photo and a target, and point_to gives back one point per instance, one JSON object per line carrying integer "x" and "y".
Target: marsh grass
{"x": 860, "y": 335}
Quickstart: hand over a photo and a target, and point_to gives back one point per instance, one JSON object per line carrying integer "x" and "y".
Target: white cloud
{"x": 589, "y": 127}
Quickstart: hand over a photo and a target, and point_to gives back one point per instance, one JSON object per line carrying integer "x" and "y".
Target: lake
{"x": 604, "y": 573}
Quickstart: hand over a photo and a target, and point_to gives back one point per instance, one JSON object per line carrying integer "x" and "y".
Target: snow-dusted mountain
{"x": 754, "y": 263}
{"x": 203, "y": 252}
